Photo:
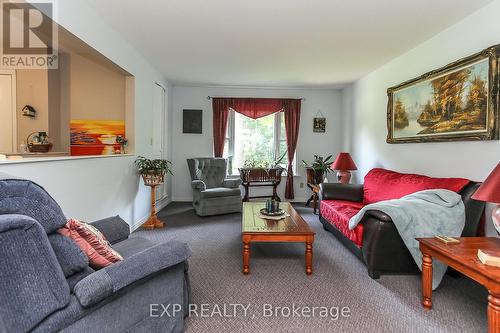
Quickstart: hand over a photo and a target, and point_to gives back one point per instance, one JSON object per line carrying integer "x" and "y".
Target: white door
{"x": 159, "y": 132}
{"x": 7, "y": 114}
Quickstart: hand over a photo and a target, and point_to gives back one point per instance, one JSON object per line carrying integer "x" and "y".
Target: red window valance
{"x": 256, "y": 108}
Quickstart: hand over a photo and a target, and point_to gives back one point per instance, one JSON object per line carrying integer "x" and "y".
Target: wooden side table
{"x": 314, "y": 197}
{"x": 463, "y": 258}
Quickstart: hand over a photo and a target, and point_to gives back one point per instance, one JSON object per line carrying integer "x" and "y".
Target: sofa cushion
{"x": 218, "y": 192}
{"x": 92, "y": 242}
{"x": 75, "y": 278}
{"x": 132, "y": 246}
{"x": 381, "y": 184}
{"x": 114, "y": 228}
{"x": 338, "y": 213}
{"x": 69, "y": 255}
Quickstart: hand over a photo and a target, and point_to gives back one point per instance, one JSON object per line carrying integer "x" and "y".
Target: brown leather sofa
{"x": 379, "y": 245}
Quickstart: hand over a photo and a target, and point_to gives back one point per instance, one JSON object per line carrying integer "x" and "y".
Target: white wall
{"x": 88, "y": 189}
{"x": 97, "y": 188}
{"x": 473, "y": 160}
{"x": 201, "y": 145}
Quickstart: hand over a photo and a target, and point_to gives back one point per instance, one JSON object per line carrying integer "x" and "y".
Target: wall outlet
{"x": 301, "y": 185}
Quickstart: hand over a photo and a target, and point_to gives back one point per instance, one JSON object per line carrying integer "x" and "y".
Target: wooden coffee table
{"x": 292, "y": 228}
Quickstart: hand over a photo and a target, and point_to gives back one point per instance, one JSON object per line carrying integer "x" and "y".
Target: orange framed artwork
{"x": 96, "y": 137}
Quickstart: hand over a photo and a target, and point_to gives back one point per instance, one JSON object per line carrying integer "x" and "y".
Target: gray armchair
{"x": 46, "y": 284}
{"x": 213, "y": 193}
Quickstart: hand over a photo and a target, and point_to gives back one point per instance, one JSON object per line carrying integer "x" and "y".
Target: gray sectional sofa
{"x": 47, "y": 285}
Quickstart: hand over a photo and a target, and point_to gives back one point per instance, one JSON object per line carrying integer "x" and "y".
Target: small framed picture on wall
{"x": 319, "y": 125}
{"x": 192, "y": 121}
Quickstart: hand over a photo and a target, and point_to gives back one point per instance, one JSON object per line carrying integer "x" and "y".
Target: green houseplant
{"x": 153, "y": 173}
{"x": 262, "y": 171}
{"x": 318, "y": 169}
{"x": 264, "y": 164}
{"x": 153, "y": 170}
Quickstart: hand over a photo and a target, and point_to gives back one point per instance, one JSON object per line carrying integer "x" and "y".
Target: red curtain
{"x": 257, "y": 107}
{"x": 291, "y": 107}
{"x": 220, "y": 108}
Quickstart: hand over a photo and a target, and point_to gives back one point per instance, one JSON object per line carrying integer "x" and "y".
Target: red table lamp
{"x": 344, "y": 164}
{"x": 489, "y": 191}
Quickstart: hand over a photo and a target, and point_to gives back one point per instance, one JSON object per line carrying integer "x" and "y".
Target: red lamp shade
{"x": 344, "y": 162}
{"x": 489, "y": 191}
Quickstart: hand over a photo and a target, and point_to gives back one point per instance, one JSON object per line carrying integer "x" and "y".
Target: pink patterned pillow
{"x": 92, "y": 242}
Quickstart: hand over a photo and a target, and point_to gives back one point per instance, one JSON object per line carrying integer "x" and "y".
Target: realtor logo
{"x": 29, "y": 35}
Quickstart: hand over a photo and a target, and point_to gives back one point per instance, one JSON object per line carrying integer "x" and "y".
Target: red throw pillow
{"x": 92, "y": 242}
{"x": 381, "y": 184}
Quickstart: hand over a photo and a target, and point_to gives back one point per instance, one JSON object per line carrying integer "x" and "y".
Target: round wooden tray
{"x": 280, "y": 212}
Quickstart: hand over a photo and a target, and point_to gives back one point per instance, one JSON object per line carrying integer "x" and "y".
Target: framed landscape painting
{"x": 455, "y": 103}
{"x": 95, "y": 137}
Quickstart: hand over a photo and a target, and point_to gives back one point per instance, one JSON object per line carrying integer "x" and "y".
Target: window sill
{"x": 59, "y": 158}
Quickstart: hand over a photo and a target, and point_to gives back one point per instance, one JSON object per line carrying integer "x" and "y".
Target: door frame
{"x": 162, "y": 193}
{"x": 13, "y": 83}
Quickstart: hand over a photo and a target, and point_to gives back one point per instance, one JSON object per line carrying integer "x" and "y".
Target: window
{"x": 248, "y": 139}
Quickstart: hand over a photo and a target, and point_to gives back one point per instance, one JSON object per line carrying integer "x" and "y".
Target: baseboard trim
{"x": 138, "y": 223}
{"x": 182, "y": 199}
{"x": 159, "y": 206}
{"x": 163, "y": 203}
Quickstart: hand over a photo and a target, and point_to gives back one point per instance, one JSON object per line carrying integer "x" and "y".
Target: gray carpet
{"x": 391, "y": 304}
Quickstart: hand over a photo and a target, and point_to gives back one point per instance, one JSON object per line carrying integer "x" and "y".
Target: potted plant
{"x": 318, "y": 169}
{"x": 153, "y": 170}
{"x": 153, "y": 173}
{"x": 255, "y": 170}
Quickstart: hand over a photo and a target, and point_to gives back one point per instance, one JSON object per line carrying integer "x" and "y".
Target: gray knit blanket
{"x": 419, "y": 215}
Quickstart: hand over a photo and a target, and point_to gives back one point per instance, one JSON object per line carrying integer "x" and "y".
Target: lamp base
{"x": 344, "y": 176}
{"x": 496, "y": 217}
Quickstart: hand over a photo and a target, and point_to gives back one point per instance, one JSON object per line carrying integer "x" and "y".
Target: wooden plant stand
{"x": 153, "y": 180}
{"x": 314, "y": 178}
{"x": 258, "y": 177}
{"x": 314, "y": 196}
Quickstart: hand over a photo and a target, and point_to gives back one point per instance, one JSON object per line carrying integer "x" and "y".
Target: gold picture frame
{"x": 458, "y": 102}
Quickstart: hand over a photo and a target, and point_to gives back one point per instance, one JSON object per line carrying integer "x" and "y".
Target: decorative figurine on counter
{"x": 122, "y": 141}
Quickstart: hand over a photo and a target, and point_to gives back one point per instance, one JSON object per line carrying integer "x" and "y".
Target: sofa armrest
{"x": 232, "y": 182}
{"x": 337, "y": 191}
{"x": 114, "y": 228}
{"x": 383, "y": 249}
{"x": 198, "y": 185}
{"x": 109, "y": 280}
{"x": 379, "y": 215}
{"x": 32, "y": 281}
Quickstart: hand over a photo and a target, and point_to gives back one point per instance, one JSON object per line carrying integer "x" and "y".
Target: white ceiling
{"x": 289, "y": 43}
